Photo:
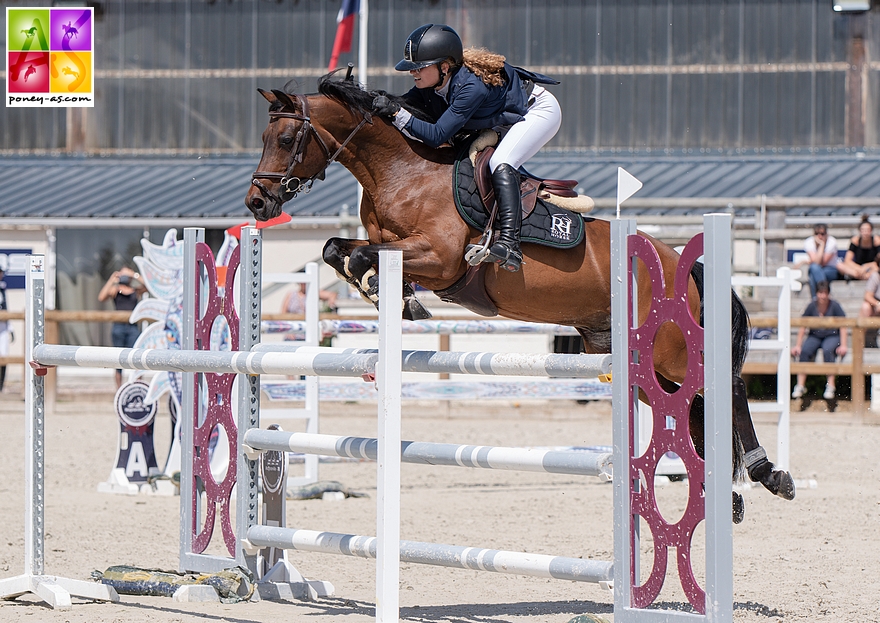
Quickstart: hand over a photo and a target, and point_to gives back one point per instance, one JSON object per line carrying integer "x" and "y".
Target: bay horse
{"x": 408, "y": 205}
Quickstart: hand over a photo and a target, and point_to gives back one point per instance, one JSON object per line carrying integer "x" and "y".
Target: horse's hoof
{"x": 739, "y": 508}
{"x": 370, "y": 285}
{"x": 774, "y": 480}
{"x": 368, "y": 280}
{"x": 414, "y": 310}
{"x": 780, "y": 483}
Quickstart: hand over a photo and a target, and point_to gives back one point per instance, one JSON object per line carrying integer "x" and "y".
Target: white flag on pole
{"x": 627, "y": 186}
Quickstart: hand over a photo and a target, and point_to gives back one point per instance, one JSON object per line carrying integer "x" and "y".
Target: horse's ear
{"x": 284, "y": 98}
{"x": 266, "y": 94}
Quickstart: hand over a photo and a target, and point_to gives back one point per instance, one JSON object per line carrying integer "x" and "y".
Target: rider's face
{"x": 426, "y": 77}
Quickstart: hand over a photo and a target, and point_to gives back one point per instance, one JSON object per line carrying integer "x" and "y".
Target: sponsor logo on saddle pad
{"x": 560, "y": 226}
{"x": 547, "y": 224}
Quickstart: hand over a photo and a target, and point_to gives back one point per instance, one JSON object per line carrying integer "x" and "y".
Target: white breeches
{"x": 525, "y": 138}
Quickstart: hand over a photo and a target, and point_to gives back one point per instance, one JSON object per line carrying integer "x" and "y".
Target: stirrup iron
{"x": 477, "y": 253}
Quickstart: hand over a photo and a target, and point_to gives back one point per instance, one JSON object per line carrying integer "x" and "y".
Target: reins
{"x": 290, "y": 185}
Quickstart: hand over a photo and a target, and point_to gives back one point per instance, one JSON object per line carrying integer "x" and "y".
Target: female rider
{"x": 475, "y": 89}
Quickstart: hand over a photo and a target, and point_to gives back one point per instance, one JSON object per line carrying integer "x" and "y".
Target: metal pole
{"x": 188, "y": 411}
{"x": 34, "y": 422}
{"x": 718, "y": 424}
{"x": 437, "y": 554}
{"x": 621, "y": 396}
{"x": 249, "y": 305}
{"x": 428, "y": 453}
{"x": 388, "y": 374}
{"x": 783, "y": 376}
{"x": 313, "y": 388}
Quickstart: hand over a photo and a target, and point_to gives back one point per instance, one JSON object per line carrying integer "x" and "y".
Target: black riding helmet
{"x": 430, "y": 44}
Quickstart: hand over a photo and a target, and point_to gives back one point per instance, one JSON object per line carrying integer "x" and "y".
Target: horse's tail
{"x": 739, "y": 348}
{"x": 739, "y": 323}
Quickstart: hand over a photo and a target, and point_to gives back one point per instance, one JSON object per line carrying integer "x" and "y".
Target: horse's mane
{"x": 359, "y": 99}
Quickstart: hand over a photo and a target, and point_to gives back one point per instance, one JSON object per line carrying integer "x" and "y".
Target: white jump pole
{"x": 388, "y": 374}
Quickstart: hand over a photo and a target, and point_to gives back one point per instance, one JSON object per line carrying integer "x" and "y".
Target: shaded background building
{"x": 713, "y": 104}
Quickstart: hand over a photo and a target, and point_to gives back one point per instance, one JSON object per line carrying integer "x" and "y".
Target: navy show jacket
{"x": 473, "y": 105}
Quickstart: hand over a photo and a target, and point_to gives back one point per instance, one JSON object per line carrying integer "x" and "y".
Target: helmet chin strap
{"x": 443, "y": 75}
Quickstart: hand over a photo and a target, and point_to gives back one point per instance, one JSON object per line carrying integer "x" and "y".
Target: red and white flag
{"x": 344, "y": 30}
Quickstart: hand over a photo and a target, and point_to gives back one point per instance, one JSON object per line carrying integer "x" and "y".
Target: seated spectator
{"x": 295, "y": 303}
{"x": 871, "y": 304}
{"x": 860, "y": 260}
{"x": 831, "y": 341}
{"x": 822, "y": 251}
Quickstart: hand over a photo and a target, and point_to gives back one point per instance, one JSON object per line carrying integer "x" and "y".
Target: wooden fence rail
{"x": 862, "y": 362}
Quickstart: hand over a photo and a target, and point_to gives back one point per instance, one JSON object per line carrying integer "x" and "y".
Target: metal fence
{"x": 178, "y": 76}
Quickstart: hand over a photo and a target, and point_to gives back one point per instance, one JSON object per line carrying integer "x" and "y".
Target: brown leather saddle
{"x": 470, "y": 290}
{"x": 531, "y": 187}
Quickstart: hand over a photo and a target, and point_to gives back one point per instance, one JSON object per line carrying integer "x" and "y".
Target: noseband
{"x": 290, "y": 185}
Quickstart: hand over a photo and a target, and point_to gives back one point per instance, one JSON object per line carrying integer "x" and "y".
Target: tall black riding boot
{"x": 506, "y": 251}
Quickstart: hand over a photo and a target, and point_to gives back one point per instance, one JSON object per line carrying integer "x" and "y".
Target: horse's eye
{"x": 285, "y": 139}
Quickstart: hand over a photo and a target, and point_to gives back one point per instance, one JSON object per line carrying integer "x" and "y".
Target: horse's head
{"x": 287, "y": 165}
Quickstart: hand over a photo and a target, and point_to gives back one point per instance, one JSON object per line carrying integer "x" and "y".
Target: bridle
{"x": 290, "y": 185}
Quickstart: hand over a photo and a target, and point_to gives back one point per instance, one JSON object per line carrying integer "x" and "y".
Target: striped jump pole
{"x": 596, "y": 464}
{"x": 322, "y": 361}
{"x": 503, "y": 364}
{"x": 437, "y": 554}
{"x": 316, "y": 362}
{"x": 422, "y": 327}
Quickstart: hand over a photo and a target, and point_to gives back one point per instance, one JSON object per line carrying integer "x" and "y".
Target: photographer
{"x": 5, "y": 326}
{"x": 125, "y": 289}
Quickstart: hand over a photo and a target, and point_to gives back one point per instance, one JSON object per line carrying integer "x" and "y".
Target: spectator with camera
{"x": 5, "y": 326}
{"x": 125, "y": 289}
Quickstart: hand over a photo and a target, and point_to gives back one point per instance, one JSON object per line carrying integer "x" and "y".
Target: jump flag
{"x": 627, "y": 186}
{"x": 282, "y": 218}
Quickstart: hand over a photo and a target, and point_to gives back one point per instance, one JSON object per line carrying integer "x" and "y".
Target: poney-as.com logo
{"x": 49, "y": 57}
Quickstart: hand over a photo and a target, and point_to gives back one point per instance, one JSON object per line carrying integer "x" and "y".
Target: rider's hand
{"x": 385, "y": 107}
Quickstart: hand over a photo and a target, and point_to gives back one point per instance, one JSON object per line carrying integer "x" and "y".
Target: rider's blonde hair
{"x": 485, "y": 64}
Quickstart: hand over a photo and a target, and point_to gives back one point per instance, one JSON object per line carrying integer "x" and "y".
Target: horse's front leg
{"x": 336, "y": 255}
{"x": 420, "y": 261}
{"x": 759, "y": 467}
{"x": 338, "y": 252}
